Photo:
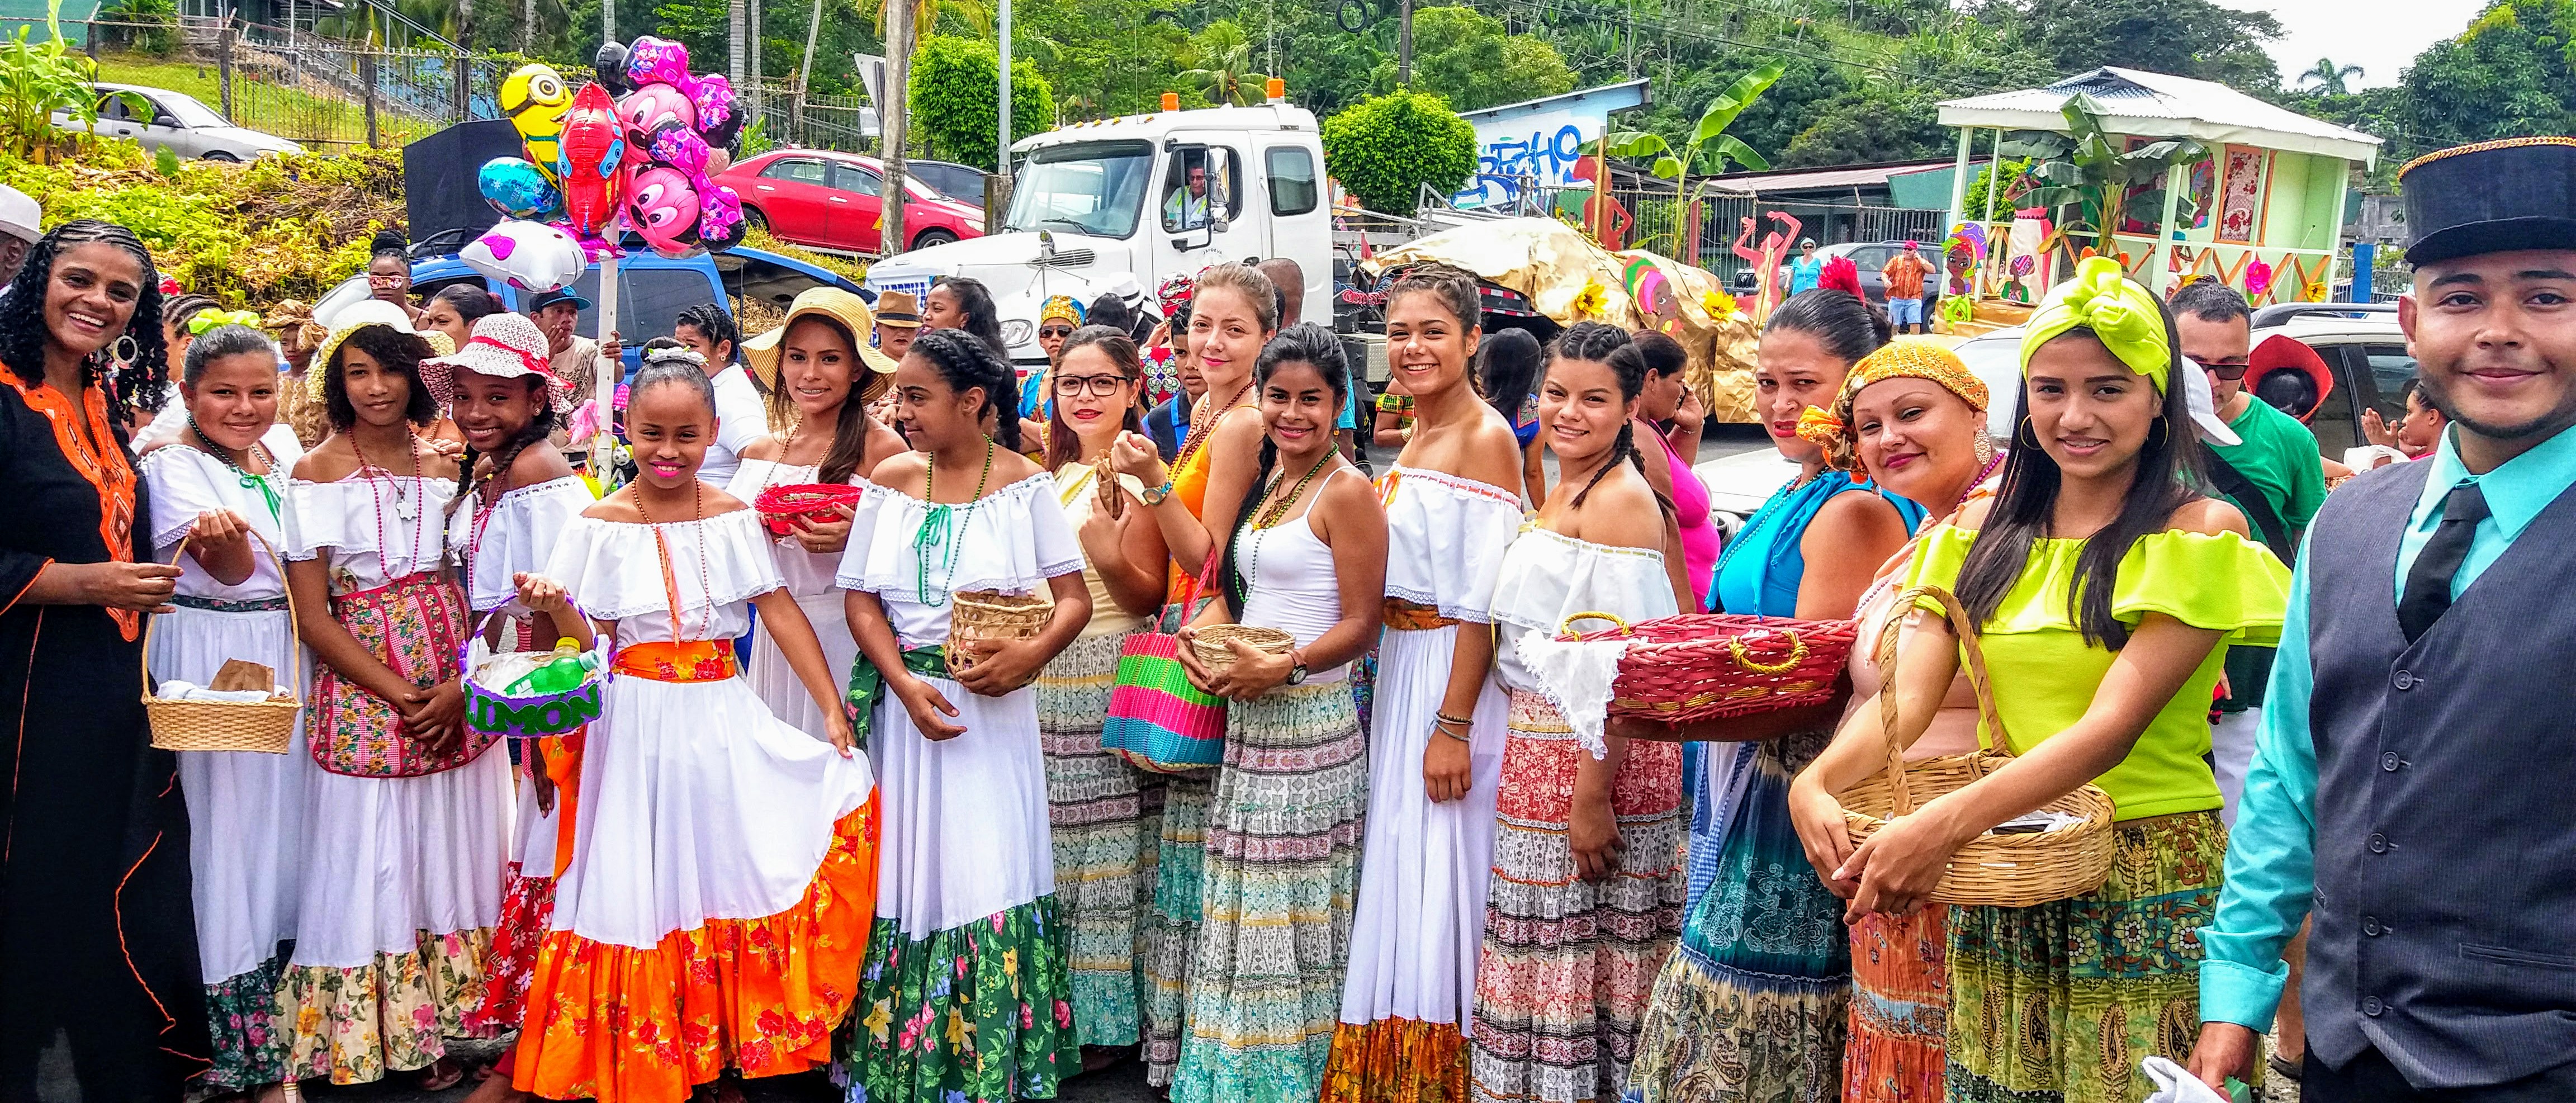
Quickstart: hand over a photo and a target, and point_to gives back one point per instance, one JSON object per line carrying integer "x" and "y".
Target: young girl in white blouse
{"x": 723, "y": 868}
{"x": 966, "y": 992}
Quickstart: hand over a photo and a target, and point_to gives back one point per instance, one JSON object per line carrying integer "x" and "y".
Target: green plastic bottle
{"x": 567, "y": 670}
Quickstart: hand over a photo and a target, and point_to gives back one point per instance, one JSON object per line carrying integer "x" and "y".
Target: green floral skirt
{"x": 980, "y": 1013}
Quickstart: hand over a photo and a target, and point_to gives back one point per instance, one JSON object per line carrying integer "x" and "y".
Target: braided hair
{"x": 24, "y": 335}
{"x": 1611, "y": 347}
{"x": 966, "y": 361}
{"x": 538, "y": 429}
{"x": 1304, "y": 343}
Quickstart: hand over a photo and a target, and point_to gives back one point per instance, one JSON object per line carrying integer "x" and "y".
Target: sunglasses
{"x": 1055, "y": 331}
{"x": 1101, "y": 386}
{"x": 379, "y": 280}
{"x": 2224, "y": 369}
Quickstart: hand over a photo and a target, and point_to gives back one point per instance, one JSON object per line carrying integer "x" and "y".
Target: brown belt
{"x": 1405, "y": 616}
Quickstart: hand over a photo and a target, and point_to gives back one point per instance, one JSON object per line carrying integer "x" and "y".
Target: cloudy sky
{"x": 2381, "y": 36}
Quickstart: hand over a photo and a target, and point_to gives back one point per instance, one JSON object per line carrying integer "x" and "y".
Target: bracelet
{"x": 1451, "y": 728}
{"x": 1445, "y": 718}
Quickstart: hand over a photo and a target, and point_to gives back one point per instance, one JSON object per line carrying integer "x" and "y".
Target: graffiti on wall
{"x": 1537, "y": 151}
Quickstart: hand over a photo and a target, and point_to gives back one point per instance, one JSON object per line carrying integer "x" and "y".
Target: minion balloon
{"x": 535, "y": 98}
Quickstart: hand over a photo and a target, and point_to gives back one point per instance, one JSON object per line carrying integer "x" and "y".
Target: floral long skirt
{"x": 2061, "y": 1001}
{"x": 1900, "y": 1008}
{"x": 1568, "y": 963}
{"x": 1281, "y": 878}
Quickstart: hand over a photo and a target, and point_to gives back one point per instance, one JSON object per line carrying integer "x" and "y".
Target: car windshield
{"x": 1095, "y": 188}
{"x": 187, "y": 110}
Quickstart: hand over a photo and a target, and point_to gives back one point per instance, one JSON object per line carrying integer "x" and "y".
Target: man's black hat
{"x": 2492, "y": 197}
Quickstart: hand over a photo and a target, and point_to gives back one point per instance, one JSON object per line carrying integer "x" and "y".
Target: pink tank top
{"x": 1700, "y": 539}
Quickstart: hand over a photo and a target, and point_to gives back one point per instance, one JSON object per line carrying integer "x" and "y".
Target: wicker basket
{"x": 2002, "y": 871}
{"x": 991, "y": 615}
{"x": 1703, "y": 666}
{"x": 264, "y": 726}
{"x": 1210, "y": 642}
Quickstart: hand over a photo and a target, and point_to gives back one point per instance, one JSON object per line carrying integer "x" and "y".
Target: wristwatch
{"x": 1153, "y": 496}
{"x": 1296, "y": 669}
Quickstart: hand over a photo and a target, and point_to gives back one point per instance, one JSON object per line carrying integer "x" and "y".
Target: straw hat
{"x": 365, "y": 314}
{"x": 504, "y": 346}
{"x": 850, "y": 312}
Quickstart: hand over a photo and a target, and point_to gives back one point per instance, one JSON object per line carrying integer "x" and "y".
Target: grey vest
{"x": 2445, "y": 809}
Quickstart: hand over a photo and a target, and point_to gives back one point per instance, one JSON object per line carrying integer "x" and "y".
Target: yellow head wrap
{"x": 2124, "y": 316}
{"x": 1901, "y": 360}
{"x": 1060, "y": 306}
{"x": 207, "y": 321}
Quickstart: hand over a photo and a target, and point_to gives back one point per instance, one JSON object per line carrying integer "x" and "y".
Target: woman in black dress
{"x": 94, "y": 914}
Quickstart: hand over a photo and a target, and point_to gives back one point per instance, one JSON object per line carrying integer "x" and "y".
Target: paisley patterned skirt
{"x": 1095, "y": 810}
{"x": 2059, "y": 1003}
{"x": 1752, "y": 1005}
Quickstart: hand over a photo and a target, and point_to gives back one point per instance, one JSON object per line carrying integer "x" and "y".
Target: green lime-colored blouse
{"x": 2045, "y": 673}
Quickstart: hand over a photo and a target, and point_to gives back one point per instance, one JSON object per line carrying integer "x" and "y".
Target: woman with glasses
{"x": 389, "y": 273}
{"x": 1095, "y": 800}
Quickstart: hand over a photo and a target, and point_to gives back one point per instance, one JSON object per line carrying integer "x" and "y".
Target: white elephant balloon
{"x": 529, "y": 256}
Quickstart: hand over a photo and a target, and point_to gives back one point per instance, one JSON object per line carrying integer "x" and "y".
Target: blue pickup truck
{"x": 652, "y": 290}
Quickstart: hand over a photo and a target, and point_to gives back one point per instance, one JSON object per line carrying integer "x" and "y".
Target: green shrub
{"x": 1384, "y": 149}
{"x": 956, "y": 99}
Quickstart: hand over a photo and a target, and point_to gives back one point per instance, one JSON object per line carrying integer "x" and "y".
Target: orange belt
{"x": 679, "y": 661}
{"x": 1405, "y": 616}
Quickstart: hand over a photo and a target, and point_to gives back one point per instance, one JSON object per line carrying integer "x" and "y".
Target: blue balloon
{"x": 515, "y": 188}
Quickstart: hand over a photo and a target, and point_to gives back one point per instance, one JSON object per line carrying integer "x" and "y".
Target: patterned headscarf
{"x": 1900, "y": 360}
{"x": 2121, "y": 313}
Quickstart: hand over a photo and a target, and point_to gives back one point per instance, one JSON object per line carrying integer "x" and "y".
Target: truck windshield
{"x": 1095, "y": 188}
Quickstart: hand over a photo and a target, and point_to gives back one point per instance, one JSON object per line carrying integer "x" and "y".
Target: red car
{"x": 832, "y": 201}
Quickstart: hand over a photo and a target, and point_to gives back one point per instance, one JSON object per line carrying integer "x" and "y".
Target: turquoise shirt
{"x": 2271, "y": 873}
{"x": 1805, "y": 274}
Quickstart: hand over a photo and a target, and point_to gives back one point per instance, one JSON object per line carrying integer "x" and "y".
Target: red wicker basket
{"x": 1702, "y": 666}
{"x": 780, "y": 506}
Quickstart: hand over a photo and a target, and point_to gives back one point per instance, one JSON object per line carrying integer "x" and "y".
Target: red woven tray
{"x": 1702, "y": 666}
{"x": 780, "y": 506}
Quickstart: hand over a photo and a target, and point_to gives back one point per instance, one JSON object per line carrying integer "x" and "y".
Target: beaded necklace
{"x": 1271, "y": 514}
{"x": 1199, "y": 433}
{"x": 706, "y": 575}
{"x": 941, "y": 526}
{"x": 384, "y": 546}
{"x": 262, "y": 483}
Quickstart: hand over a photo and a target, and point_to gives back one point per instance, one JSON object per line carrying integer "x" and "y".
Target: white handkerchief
{"x": 1576, "y": 677}
{"x": 2175, "y": 1085}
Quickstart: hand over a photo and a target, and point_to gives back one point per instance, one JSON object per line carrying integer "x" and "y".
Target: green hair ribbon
{"x": 2123, "y": 315}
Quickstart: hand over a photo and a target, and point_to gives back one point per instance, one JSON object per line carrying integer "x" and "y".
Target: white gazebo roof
{"x": 2156, "y": 105}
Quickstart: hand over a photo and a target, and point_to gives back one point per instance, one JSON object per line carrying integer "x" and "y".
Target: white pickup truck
{"x": 1118, "y": 205}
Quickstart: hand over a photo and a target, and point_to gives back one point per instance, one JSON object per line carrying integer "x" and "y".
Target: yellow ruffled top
{"x": 2045, "y": 673}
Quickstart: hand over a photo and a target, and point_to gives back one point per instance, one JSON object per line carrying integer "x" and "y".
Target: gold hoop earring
{"x": 2034, "y": 435}
{"x": 2166, "y": 428}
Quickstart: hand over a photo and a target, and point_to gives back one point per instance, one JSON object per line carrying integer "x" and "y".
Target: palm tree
{"x": 2329, "y": 77}
{"x": 975, "y": 15}
{"x": 1221, "y": 57}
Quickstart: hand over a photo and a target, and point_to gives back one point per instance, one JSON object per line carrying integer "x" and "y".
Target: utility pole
{"x": 895, "y": 121}
{"x": 1404, "y": 44}
{"x": 805, "y": 70}
{"x": 737, "y": 18}
{"x": 608, "y": 20}
{"x": 527, "y": 28}
{"x": 1002, "y": 159}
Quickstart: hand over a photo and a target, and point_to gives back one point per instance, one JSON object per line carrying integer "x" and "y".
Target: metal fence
{"x": 324, "y": 90}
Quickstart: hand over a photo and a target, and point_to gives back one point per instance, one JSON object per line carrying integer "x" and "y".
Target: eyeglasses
{"x": 2224, "y": 369}
{"x": 1101, "y": 386}
{"x": 1055, "y": 331}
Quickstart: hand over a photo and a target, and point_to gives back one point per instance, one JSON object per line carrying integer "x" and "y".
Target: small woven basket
{"x": 991, "y": 615}
{"x": 2002, "y": 871}
{"x": 1210, "y": 642}
{"x": 266, "y": 726}
{"x": 491, "y": 710}
{"x": 780, "y": 506}
{"x": 1702, "y": 666}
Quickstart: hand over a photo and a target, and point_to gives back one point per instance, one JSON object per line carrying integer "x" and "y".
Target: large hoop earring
{"x": 2166, "y": 428}
{"x": 2017, "y": 433}
{"x": 127, "y": 349}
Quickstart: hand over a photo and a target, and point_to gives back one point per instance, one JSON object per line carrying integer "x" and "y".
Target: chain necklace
{"x": 384, "y": 546}
{"x": 942, "y": 526}
{"x": 1271, "y": 514}
{"x": 262, "y": 483}
{"x": 706, "y": 575}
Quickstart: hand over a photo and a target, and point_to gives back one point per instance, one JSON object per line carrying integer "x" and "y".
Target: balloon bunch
{"x": 635, "y": 149}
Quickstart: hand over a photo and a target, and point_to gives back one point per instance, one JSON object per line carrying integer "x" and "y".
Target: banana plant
{"x": 1708, "y": 150}
{"x": 2087, "y": 174}
{"x": 38, "y": 79}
